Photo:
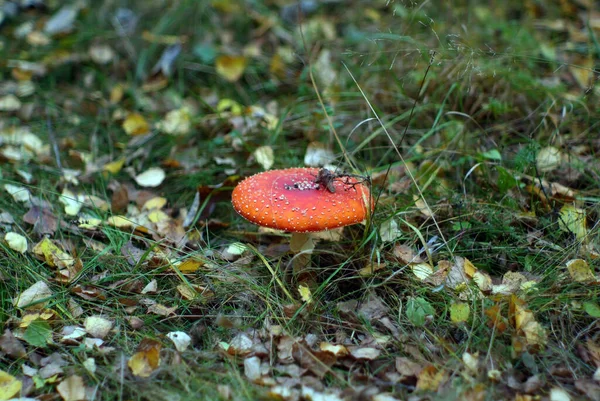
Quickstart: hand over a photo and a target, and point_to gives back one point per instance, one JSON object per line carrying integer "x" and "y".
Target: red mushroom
{"x": 295, "y": 200}
{"x": 302, "y": 200}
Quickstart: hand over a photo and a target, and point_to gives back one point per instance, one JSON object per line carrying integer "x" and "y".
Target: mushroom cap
{"x": 291, "y": 200}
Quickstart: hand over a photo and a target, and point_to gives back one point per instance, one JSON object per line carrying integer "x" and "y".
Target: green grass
{"x": 461, "y": 98}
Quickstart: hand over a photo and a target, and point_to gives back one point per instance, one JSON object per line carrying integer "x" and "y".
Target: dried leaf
{"x": 12, "y": 347}
{"x": 147, "y": 358}
{"x": 101, "y": 54}
{"x": 264, "y": 156}
{"x": 573, "y": 221}
{"x": 318, "y": 155}
{"x": 430, "y": 379}
{"x": 305, "y": 293}
{"x": 181, "y": 340}
{"x": 9, "y": 386}
{"x": 136, "y": 124}
{"x": 97, "y": 326}
{"x": 19, "y": 193}
{"x": 580, "y": 271}
{"x": 152, "y": 177}
{"x": 176, "y": 122}
{"x": 548, "y": 159}
{"x": 9, "y": 103}
{"x": 72, "y": 389}
{"x": 231, "y": 67}
{"x": 53, "y": 255}
{"x": 33, "y": 295}
{"x": 16, "y": 242}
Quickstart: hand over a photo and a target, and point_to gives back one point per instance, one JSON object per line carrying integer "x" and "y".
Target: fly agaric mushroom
{"x": 296, "y": 200}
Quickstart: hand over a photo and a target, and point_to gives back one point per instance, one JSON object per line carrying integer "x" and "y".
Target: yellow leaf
{"x": 189, "y": 266}
{"x": 231, "y": 67}
{"x": 265, "y": 156}
{"x": 459, "y": 312}
{"x": 147, "y": 358}
{"x": 16, "y": 242}
{"x": 176, "y": 122}
{"x": 305, "y": 293}
{"x": 53, "y": 255}
{"x": 573, "y": 220}
{"x": 136, "y": 124}
{"x": 119, "y": 222}
{"x": 157, "y": 202}
{"x": 580, "y": 270}
{"x": 229, "y": 105}
{"x": 157, "y": 216}
{"x": 421, "y": 270}
{"x": 114, "y": 167}
{"x": 9, "y": 386}
{"x": 430, "y": 378}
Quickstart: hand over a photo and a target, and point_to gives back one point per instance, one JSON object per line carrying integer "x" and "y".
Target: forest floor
{"x": 125, "y": 273}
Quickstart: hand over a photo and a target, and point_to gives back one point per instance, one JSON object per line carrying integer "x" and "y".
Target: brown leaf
{"x": 11, "y": 346}
{"x": 42, "y": 219}
{"x": 408, "y": 368}
{"x": 119, "y": 199}
{"x": 318, "y": 362}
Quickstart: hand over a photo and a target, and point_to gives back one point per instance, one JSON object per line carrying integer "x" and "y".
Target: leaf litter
{"x": 137, "y": 256}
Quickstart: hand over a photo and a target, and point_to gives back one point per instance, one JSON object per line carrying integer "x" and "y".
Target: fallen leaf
{"x": 9, "y": 386}
{"x": 305, "y": 293}
{"x": 252, "y": 368}
{"x": 62, "y": 21}
{"x": 264, "y": 156}
{"x": 97, "y": 326}
{"x": 9, "y": 103}
{"x": 147, "y": 358}
{"x": 548, "y": 159}
{"x": 417, "y": 310}
{"x": 231, "y": 67}
{"x": 459, "y": 312}
{"x": 558, "y": 394}
{"x": 176, "y": 122}
{"x": 162, "y": 310}
{"x": 181, "y": 340}
{"x": 53, "y": 255}
{"x": 71, "y": 201}
{"x": 33, "y": 295}
{"x": 72, "y": 389}
{"x": 11, "y": 346}
{"x": 318, "y": 155}
{"x": 422, "y": 270}
{"x": 16, "y": 242}
{"x": 430, "y": 379}
{"x": 389, "y": 230}
{"x": 114, "y": 167}
{"x": 152, "y": 177}
{"x": 580, "y": 271}
{"x": 101, "y": 54}
{"x": 367, "y": 353}
{"x": 19, "y": 193}
{"x": 573, "y": 221}
{"x": 136, "y": 124}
